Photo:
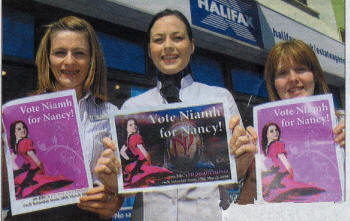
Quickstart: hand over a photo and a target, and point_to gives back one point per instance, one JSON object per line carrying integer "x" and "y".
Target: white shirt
{"x": 93, "y": 128}
{"x": 180, "y": 204}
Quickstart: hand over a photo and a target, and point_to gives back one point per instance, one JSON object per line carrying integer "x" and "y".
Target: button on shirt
{"x": 197, "y": 203}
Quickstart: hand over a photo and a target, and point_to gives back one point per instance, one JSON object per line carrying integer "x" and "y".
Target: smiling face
{"x": 272, "y": 134}
{"x": 294, "y": 81}
{"x": 131, "y": 126}
{"x": 69, "y": 59}
{"x": 170, "y": 47}
{"x": 20, "y": 131}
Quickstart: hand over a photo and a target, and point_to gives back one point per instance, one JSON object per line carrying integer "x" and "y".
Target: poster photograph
{"x": 297, "y": 160}
{"x": 173, "y": 147}
{"x": 44, "y": 156}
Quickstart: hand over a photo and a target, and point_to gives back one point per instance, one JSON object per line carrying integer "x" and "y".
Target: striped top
{"x": 95, "y": 126}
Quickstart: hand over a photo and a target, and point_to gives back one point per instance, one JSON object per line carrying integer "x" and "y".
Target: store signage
{"x": 276, "y": 27}
{"x": 233, "y": 18}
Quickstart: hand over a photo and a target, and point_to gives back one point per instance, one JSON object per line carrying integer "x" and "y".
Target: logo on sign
{"x": 232, "y": 18}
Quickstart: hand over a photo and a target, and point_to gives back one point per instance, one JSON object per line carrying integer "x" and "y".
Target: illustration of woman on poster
{"x": 136, "y": 161}
{"x": 278, "y": 181}
{"x": 30, "y": 179}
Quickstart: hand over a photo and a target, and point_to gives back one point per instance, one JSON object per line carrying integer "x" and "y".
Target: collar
{"x": 185, "y": 82}
{"x": 89, "y": 96}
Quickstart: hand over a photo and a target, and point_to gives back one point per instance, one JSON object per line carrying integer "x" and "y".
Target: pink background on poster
{"x": 310, "y": 147}
{"x": 57, "y": 142}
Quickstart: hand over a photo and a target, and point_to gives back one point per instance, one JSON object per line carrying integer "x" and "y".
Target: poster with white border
{"x": 173, "y": 146}
{"x": 297, "y": 159}
{"x": 46, "y": 164}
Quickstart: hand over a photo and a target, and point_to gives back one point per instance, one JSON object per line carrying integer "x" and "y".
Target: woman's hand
{"x": 101, "y": 201}
{"x": 108, "y": 166}
{"x": 340, "y": 134}
{"x": 242, "y": 145}
{"x": 13, "y": 158}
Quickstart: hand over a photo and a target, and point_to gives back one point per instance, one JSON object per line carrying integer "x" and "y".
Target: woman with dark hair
{"x": 70, "y": 57}
{"x": 138, "y": 170}
{"x": 30, "y": 179}
{"x": 278, "y": 181}
{"x": 170, "y": 47}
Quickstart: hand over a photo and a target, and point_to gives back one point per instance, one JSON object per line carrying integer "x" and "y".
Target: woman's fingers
{"x": 108, "y": 162}
{"x": 108, "y": 166}
{"x": 340, "y": 139}
{"x": 247, "y": 148}
{"x": 237, "y": 133}
{"x": 340, "y": 134}
{"x": 339, "y": 128}
{"x": 243, "y": 145}
{"x": 108, "y": 142}
{"x": 252, "y": 134}
{"x": 234, "y": 121}
{"x": 101, "y": 202}
{"x": 98, "y": 189}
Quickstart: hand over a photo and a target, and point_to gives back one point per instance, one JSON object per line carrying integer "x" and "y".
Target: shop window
{"x": 207, "y": 71}
{"x": 249, "y": 83}
{"x": 18, "y": 34}
{"x": 122, "y": 54}
{"x": 302, "y": 5}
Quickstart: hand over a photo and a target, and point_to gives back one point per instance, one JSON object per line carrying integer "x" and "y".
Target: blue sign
{"x": 124, "y": 214}
{"x": 233, "y": 18}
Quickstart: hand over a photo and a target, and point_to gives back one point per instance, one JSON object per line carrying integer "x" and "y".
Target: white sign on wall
{"x": 276, "y": 27}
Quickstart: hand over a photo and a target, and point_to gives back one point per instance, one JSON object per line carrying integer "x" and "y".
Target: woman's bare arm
{"x": 34, "y": 157}
{"x": 144, "y": 152}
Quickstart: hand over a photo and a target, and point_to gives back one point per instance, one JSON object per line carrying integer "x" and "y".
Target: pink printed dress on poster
{"x": 297, "y": 151}
{"x": 30, "y": 179}
{"x": 139, "y": 172}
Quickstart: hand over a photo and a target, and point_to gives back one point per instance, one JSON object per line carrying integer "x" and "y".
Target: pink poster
{"x": 44, "y": 156}
{"x": 297, "y": 159}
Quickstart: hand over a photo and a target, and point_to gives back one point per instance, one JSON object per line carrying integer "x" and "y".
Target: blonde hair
{"x": 96, "y": 81}
{"x": 294, "y": 52}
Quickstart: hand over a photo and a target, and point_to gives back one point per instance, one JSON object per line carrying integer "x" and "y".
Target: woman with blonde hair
{"x": 70, "y": 57}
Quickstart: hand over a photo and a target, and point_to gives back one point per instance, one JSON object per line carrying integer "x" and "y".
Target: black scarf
{"x": 171, "y": 85}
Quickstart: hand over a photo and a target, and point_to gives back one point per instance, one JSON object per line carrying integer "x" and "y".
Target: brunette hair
{"x": 264, "y": 141}
{"x": 125, "y": 127}
{"x": 13, "y": 137}
{"x": 96, "y": 80}
{"x": 168, "y": 12}
{"x": 294, "y": 52}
